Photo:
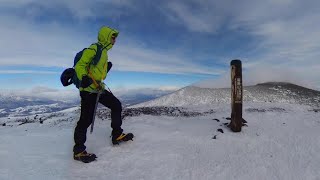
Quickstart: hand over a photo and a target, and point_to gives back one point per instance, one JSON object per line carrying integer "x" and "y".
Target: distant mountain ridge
{"x": 281, "y": 92}
{"x": 23, "y": 105}
{"x": 13, "y": 105}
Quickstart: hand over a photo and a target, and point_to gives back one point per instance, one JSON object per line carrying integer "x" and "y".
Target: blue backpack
{"x": 69, "y": 75}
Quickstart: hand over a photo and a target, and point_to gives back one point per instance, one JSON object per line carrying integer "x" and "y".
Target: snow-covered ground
{"x": 281, "y": 142}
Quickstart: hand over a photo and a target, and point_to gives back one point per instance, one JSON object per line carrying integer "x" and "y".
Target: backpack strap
{"x": 97, "y": 57}
{"x": 95, "y": 61}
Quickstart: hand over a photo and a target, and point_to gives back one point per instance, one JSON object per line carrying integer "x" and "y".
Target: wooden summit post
{"x": 236, "y": 96}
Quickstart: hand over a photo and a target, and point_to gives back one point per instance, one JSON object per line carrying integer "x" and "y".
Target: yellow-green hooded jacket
{"x": 99, "y": 71}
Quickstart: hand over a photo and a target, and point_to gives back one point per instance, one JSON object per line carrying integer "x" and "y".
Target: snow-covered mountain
{"x": 272, "y": 92}
{"x": 131, "y": 97}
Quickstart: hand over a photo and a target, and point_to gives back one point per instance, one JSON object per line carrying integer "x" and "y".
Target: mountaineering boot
{"x": 121, "y": 138}
{"x": 84, "y": 157}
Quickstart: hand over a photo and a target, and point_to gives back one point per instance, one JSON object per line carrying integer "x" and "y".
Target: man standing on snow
{"x": 91, "y": 76}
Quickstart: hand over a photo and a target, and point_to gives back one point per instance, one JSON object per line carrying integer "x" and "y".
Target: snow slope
{"x": 266, "y": 92}
{"x": 281, "y": 142}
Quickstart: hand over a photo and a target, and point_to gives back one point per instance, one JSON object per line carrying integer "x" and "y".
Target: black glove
{"x": 86, "y": 81}
{"x": 109, "y": 66}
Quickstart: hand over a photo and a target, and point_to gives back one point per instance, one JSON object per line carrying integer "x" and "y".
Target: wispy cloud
{"x": 286, "y": 35}
{"x": 139, "y": 59}
{"x": 44, "y": 92}
{"x": 77, "y": 9}
{"x": 44, "y": 45}
{"x": 26, "y": 72}
{"x": 283, "y": 36}
{"x": 194, "y": 19}
{"x": 54, "y": 45}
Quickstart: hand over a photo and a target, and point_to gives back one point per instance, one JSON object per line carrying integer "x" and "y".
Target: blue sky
{"x": 166, "y": 44}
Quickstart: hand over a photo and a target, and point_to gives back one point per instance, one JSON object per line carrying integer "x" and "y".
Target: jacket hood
{"x": 104, "y": 36}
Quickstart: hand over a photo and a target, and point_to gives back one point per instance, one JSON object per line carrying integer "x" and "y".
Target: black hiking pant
{"x": 88, "y": 101}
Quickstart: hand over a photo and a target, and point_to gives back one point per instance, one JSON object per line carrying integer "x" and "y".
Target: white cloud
{"x": 66, "y": 94}
{"x": 196, "y": 21}
{"x": 140, "y": 59}
{"x": 26, "y": 72}
{"x": 79, "y": 9}
{"x": 54, "y": 45}
{"x": 285, "y": 32}
{"x": 23, "y": 43}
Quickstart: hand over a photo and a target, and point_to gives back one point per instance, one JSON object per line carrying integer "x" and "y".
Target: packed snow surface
{"x": 281, "y": 142}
